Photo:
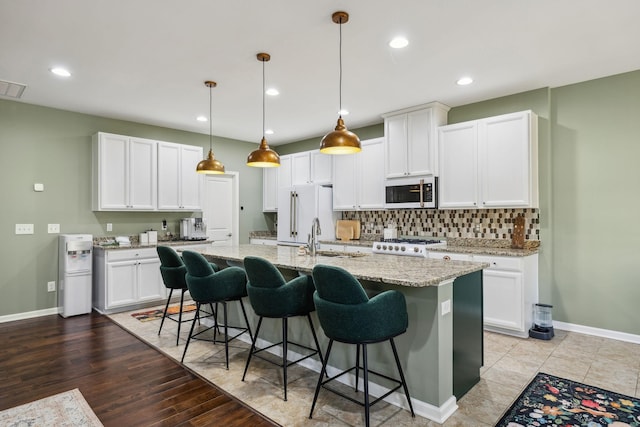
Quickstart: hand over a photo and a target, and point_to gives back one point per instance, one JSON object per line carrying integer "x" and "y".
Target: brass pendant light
{"x": 210, "y": 165}
{"x": 341, "y": 140}
{"x": 263, "y": 157}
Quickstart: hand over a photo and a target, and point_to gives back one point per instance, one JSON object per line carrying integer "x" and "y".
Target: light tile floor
{"x": 510, "y": 363}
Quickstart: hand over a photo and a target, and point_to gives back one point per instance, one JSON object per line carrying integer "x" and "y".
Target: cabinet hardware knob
{"x": 446, "y": 258}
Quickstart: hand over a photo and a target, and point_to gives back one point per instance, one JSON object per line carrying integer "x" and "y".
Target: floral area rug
{"x": 553, "y": 401}
{"x": 145, "y": 316}
{"x": 63, "y": 409}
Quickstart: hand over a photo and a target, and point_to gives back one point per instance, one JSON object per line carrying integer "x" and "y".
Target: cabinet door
{"x": 169, "y": 176}
{"x": 505, "y": 160}
{"x": 190, "y": 180}
{"x": 269, "y": 189}
{"x": 112, "y": 163}
{"x": 395, "y": 131}
{"x": 458, "y": 151}
{"x": 420, "y": 144}
{"x": 284, "y": 172}
{"x": 503, "y": 299}
{"x": 345, "y": 177}
{"x": 321, "y": 167}
{"x": 121, "y": 279}
{"x": 149, "y": 281}
{"x": 142, "y": 174}
{"x": 370, "y": 178}
{"x": 300, "y": 169}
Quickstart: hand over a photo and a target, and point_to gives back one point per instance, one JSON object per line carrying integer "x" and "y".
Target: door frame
{"x": 234, "y": 176}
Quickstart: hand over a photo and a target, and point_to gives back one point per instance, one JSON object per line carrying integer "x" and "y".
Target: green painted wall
{"x": 53, "y": 147}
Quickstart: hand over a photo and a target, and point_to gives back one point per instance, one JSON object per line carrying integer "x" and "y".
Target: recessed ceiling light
{"x": 202, "y": 119}
{"x": 465, "y": 81}
{"x": 272, "y": 91}
{"x": 59, "y": 71}
{"x": 343, "y": 112}
{"x": 269, "y": 132}
{"x": 399, "y": 43}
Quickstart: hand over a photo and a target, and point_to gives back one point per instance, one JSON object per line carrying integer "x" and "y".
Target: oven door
{"x": 411, "y": 193}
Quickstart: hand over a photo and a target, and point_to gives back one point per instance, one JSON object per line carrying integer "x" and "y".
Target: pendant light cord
{"x": 340, "y": 85}
{"x": 210, "y": 119}
{"x": 263, "y": 101}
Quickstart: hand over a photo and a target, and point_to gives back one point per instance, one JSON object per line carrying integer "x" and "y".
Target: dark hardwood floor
{"x": 126, "y": 382}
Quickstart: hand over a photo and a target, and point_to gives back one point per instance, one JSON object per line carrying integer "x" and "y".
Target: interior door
{"x": 219, "y": 209}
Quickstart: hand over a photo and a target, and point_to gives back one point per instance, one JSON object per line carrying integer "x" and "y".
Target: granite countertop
{"x": 136, "y": 245}
{"x": 403, "y": 271}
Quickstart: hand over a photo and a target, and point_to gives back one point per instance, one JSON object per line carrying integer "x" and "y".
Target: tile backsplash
{"x": 463, "y": 223}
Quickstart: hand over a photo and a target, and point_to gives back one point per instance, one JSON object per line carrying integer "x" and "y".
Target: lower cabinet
{"x": 126, "y": 278}
{"x": 510, "y": 289}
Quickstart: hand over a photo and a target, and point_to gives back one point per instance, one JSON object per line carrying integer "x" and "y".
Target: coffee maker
{"x": 193, "y": 229}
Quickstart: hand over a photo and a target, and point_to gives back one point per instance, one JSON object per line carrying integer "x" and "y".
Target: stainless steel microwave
{"x": 416, "y": 193}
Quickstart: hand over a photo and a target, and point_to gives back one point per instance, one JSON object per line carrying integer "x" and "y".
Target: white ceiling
{"x": 146, "y": 60}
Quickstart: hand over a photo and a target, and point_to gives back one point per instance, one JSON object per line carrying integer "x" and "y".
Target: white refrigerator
{"x": 74, "y": 274}
{"x": 298, "y": 206}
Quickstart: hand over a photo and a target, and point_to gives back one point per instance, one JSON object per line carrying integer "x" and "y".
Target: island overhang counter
{"x": 442, "y": 350}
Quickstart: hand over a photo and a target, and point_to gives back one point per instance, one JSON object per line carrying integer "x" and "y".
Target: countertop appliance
{"x": 193, "y": 229}
{"x": 407, "y": 247}
{"x": 412, "y": 193}
{"x": 74, "y": 274}
{"x": 298, "y": 206}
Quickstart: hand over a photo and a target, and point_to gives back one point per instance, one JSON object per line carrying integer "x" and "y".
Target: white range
{"x": 407, "y": 247}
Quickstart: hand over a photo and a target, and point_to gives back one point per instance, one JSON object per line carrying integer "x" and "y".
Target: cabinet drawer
{"x": 121, "y": 255}
{"x": 450, "y": 256}
{"x": 500, "y": 263}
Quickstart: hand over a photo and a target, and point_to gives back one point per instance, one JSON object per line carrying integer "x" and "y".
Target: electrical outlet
{"x": 445, "y": 307}
{"x": 164, "y": 225}
{"x": 51, "y": 286}
{"x": 109, "y": 226}
{"x": 53, "y": 228}
{"x": 24, "y": 228}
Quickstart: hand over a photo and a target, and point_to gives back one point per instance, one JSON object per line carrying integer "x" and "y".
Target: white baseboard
{"x": 29, "y": 314}
{"x": 438, "y": 414}
{"x": 605, "y": 333}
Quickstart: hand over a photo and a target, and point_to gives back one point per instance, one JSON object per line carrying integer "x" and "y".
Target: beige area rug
{"x": 263, "y": 387}
{"x": 60, "y": 410}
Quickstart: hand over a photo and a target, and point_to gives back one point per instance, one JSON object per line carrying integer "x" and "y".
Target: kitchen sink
{"x": 338, "y": 254}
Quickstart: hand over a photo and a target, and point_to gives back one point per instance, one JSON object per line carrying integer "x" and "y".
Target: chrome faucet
{"x": 312, "y": 242}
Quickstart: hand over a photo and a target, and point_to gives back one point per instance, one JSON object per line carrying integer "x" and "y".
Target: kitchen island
{"x": 441, "y": 351}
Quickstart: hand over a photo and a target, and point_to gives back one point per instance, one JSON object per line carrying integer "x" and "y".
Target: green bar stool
{"x": 208, "y": 287}
{"x": 347, "y": 315}
{"x": 272, "y": 297}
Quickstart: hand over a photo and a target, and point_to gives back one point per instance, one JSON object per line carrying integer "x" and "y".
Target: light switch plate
{"x": 24, "y": 228}
{"x": 53, "y": 228}
{"x": 51, "y": 286}
{"x": 109, "y": 226}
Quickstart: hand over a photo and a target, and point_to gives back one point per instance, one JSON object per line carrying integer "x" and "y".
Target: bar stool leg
{"x": 365, "y": 369}
{"x": 253, "y": 348}
{"x": 226, "y": 334}
{"x": 193, "y": 324}
{"x": 315, "y": 338}
{"x": 179, "y": 315}
{"x": 323, "y": 372}
{"x": 164, "y": 314}
{"x": 284, "y": 353}
{"x": 404, "y": 383}
{"x": 357, "y": 364}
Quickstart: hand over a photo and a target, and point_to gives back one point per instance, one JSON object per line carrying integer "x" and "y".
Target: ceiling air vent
{"x": 11, "y": 89}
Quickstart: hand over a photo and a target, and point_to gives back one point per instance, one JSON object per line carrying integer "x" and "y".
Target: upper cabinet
{"x": 306, "y": 167}
{"x": 358, "y": 179}
{"x": 489, "y": 163}
{"x": 141, "y": 174}
{"x": 124, "y": 173}
{"x": 411, "y": 135}
{"x": 179, "y": 185}
{"x": 270, "y": 189}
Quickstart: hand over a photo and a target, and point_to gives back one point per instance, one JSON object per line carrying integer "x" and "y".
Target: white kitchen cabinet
{"x": 127, "y": 278}
{"x": 270, "y": 189}
{"x": 510, "y": 288}
{"x": 179, "y": 185}
{"x": 321, "y": 167}
{"x": 123, "y": 173}
{"x": 358, "y": 179}
{"x": 489, "y": 163}
{"x": 449, "y": 256}
{"x": 308, "y": 167}
{"x": 411, "y": 148}
{"x": 284, "y": 171}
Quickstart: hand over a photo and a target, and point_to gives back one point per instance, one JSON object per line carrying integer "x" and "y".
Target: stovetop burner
{"x": 412, "y": 241}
